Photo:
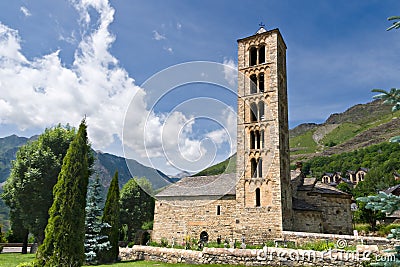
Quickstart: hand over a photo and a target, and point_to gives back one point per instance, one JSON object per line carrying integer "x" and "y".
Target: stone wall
{"x": 185, "y": 217}
{"x": 250, "y": 257}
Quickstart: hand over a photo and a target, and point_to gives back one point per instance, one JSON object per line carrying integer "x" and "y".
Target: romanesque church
{"x": 263, "y": 199}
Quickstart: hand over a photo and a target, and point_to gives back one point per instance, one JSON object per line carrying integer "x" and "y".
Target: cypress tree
{"x": 111, "y": 216}
{"x": 65, "y": 232}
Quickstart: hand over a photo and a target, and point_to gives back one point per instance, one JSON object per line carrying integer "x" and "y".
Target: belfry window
{"x": 261, "y": 111}
{"x": 261, "y": 54}
{"x": 259, "y": 167}
{"x": 253, "y": 112}
{"x": 258, "y": 197}
{"x": 257, "y": 141}
{"x": 253, "y": 84}
{"x": 252, "y": 140}
{"x": 253, "y": 163}
{"x": 253, "y": 56}
{"x": 261, "y": 82}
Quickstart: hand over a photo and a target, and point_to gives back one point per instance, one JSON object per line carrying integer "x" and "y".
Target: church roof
{"x": 312, "y": 185}
{"x": 216, "y": 186}
{"x": 300, "y": 204}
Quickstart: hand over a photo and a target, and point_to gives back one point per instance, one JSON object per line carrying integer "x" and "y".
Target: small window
{"x": 258, "y": 197}
{"x": 252, "y": 140}
{"x": 253, "y": 164}
{"x": 218, "y": 210}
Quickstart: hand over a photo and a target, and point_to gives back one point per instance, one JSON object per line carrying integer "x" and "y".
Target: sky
{"x": 110, "y": 60}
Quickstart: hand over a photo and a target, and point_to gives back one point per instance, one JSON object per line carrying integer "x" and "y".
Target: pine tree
{"x": 95, "y": 241}
{"x": 111, "y": 216}
{"x": 65, "y": 232}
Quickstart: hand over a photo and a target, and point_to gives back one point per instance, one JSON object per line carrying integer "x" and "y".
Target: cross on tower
{"x": 261, "y": 24}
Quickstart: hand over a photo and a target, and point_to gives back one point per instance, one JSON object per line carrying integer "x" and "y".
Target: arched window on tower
{"x": 262, "y": 139}
{"x": 261, "y": 82}
{"x": 257, "y": 141}
{"x": 253, "y": 112}
{"x": 261, "y": 54}
{"x": 252, "y": 140}
{"x": 253, "y": 56}
{"x": 253, "y": 84}
{"x": 253, "y": 164}
{"x": 258, "y": 197}
{"x": 261, "y": 111}
{"x": 259, "y": 167}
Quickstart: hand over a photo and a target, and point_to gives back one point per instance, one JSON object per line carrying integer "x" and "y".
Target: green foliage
{"x": 303, "y": 143}
{"x": 340, "y": 134}
{"x": 65, "y": 232}
{"x": 137, "y": 206}
{"x": 96, "y": 242}
{"x": 28, "y": 190}
{"x": 111, "y": 216}
{"x": 345, "y": 187}
{"x": 383, "y": 158}
{"x": 226, "y": 166}
{"x": 396, "y": 24}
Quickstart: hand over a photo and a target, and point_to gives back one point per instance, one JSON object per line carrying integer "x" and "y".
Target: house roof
{"x": 327, "y": 189}
{"x": 216, "y": 185}
{"x": 391, "y": 189}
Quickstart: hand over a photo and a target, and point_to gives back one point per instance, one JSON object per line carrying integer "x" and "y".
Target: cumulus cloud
{"x": 42, "y": 92}
{"x": 25, "y": 11}
{"x": 158, "y": 36}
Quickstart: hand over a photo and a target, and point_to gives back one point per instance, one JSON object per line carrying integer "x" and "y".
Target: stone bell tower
{"x": 263, "y": 193}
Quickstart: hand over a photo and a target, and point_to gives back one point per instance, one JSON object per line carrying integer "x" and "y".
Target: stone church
{"x": 263, "y": 198}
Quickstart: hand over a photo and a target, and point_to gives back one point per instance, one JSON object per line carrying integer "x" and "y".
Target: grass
{"x": 342, "y": 133}
{"x": 13, "y": 259}
{"x": 303, "y": 143}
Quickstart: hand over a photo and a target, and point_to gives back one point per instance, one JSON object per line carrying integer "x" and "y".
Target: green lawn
{"x": 13, "y": 259}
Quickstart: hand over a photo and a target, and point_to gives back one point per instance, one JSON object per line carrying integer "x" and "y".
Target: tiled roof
{"x": 300, "y": 204}
{"x": 216, "y": 185}
{"x": 391, "y": 189}
{"x": 327, "y": 189}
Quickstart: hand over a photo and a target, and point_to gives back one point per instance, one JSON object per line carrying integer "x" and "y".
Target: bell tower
{"x": 263, "y": 193}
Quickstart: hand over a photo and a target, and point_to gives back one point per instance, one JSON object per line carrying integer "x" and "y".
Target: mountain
{"x": 359, "y": 126}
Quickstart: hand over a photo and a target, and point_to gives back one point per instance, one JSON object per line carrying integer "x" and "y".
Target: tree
{"x": 95, "y": 241}
{"x": 111, "y": 216}
{"x": 65, "y": 232}
{"x": 28, "y": 190}
{"x": 396, "y": 24}
{"x": 389, "y": 97}
{"x": 137, "y": 207}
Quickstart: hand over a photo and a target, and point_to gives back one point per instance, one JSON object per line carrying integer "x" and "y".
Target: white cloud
{"x": 230, "y": 71}
{"x": 178, "y": 26}
{"x": 169, "y": 50}
{"x": 25, "y": 11}
{"x": 42, "y": 92}
{"x": 158, "y": 36}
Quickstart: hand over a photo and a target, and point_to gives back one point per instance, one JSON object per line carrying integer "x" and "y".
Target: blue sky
{"x": 60, "y": 60}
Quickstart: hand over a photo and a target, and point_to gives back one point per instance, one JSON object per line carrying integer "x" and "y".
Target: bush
{"x": 384, "y": 230}
{"x": 164, "y": 242}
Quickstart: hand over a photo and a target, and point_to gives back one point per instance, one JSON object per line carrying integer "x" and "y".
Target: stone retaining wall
{"x": 249, "y": 257}
{"x": 351, "y": 240}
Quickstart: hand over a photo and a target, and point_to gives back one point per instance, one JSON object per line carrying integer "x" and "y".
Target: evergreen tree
{"x": 95, "y": 241}
{"x": 111, "y": 217}
{"x": 65, "y": 232}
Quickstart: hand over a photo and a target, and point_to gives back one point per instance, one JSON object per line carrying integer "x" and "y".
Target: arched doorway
{"x": 204, "y": 236}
